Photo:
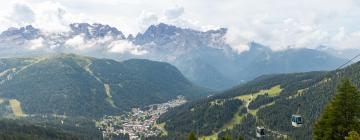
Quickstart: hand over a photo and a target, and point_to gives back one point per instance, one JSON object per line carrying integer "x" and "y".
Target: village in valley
{"x": 138, "y": 123}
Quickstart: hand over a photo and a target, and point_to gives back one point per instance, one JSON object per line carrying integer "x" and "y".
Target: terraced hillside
{"x": 267, "y": 101}
{"x": 72, "y": 85}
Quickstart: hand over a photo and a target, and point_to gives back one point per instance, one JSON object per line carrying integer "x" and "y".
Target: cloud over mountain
{"x": 280, "y": 25}
{"x": 82, "y": 38}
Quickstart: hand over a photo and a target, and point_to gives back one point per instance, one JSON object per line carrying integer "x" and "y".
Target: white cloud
{"x": 106, "y": 45}
{"x": 277, "y": 23}
{"x": 286, "y": 33}
{"x": 77, "y": 42}
{"x": 289, "y": 33}
{"x": 174, "y": 15}
{"x": 36, "y": 44}
{"x": 52, "y": 17}
{"x": 238, "y": 41}
{"x": 345, "y": 40}
{"x": 174, "y": 12}
{"x": 146, "y": 19}
{"x": 22, "y": 14}
{"x": 121, "y": 47}
{"x": 48, "y": 15}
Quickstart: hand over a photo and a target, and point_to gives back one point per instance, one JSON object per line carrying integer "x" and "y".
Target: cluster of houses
{"x": 137, "y": 123}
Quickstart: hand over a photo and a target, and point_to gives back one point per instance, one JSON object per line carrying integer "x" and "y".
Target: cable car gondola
{"x": 260, "y": 131}
{"x": 296, "y": 120}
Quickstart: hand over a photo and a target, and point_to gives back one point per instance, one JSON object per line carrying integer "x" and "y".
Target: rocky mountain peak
{"x": 95, "y": 30}
{"x": 27, "y": 32}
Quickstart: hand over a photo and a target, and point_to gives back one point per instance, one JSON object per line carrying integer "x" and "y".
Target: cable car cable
{"x": 296, "y": 119}
{"x": 348, "y": 62}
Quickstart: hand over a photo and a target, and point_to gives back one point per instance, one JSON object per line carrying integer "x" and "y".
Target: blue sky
{"x": 276, "y": 23}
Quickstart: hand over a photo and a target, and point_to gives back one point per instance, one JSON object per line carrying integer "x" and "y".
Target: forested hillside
{"x": 340, "y": 118}
{"x": 72, "y": 85}
{"x": 269, "y": 101}
{"x": 15, "y": 130}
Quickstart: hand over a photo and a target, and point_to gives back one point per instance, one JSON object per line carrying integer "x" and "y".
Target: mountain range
{"x": 204, "y": 57}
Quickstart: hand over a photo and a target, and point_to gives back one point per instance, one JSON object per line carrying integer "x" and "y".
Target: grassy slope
{"x": 236, "y": 120}
{"x": 16, "y": 108}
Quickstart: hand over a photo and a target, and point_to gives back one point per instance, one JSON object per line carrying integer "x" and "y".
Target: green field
{"x": 16, "y": 108}
{"x": 274, "y": 91}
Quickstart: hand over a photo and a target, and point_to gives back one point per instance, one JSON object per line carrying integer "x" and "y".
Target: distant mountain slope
{"x": 207, "y": 59}
{"x": 260, "y": 60}
{"x": 204, "y": 57}
{"x": 271, "y": 101}
{"x": 13, "y": 130}
{"x": 67, "y": 84}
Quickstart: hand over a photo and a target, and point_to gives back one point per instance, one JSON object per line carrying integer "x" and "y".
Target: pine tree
{"x": 340, "y": 115}
{"x": 353, "y": 135}
{"x": 227, "y": 137}
{"x": 192, "y": 136}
